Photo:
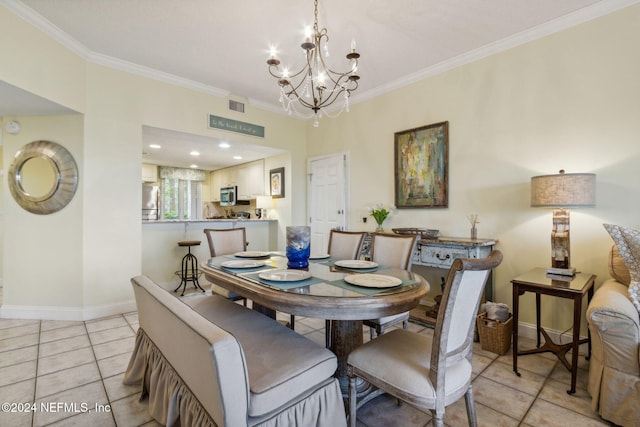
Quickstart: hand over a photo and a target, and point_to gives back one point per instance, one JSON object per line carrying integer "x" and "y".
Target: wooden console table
{"x": 541, "y": 283}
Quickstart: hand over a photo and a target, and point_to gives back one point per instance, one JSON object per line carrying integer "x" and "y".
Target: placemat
{"x": 332, "y": 263}
{"x": 284, "y": 285}
{"x": 217, "y": 263}
{"x": 368, "y": 291}
{"x": 324, "y": 260}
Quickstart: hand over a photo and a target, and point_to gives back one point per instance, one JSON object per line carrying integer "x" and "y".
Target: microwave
{"x": 228, "y": 196}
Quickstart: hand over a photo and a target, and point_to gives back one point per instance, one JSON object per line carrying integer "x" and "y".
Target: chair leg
{"x": 471, "y": 409}
{"x": 437, "y": 419}
{"x": 292, "y": 322}
{"x": 352, "y": 401}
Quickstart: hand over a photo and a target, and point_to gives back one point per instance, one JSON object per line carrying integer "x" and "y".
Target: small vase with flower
{"x": 380, "y": 213}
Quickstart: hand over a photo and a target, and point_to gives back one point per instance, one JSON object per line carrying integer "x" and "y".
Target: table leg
{"x": 589, "y": 296}
{"x": 516, "y": 298}
{"x": 577, "y": 311}
{"x": 346, "y": 336}
{"x": 538, "y": 318}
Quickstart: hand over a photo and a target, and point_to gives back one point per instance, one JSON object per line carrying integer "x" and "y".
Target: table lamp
{"x": 561, "y": 191}
{"x": 262, "y": 204}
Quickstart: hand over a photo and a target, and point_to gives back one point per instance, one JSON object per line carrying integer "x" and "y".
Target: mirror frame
{"x": 64, "y": 187}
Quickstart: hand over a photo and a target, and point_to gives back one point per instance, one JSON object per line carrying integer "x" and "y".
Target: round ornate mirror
{"x": 43, "y": 177}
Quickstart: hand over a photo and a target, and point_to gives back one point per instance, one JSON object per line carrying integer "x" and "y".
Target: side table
{"x": 541, "y": 283}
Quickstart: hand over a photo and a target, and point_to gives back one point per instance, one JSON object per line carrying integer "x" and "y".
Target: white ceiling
{"x": 221, "y": 46}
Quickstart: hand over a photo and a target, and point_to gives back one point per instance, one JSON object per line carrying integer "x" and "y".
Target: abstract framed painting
{"x": 422, "y": 167}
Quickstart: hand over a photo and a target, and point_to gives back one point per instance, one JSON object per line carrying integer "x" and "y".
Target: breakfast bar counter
{"x": 161, "y": 255}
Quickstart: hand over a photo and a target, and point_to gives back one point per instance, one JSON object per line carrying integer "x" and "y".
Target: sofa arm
{"x": 615, "y": 328}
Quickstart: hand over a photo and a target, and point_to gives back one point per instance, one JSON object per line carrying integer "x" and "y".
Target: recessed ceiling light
{"x": 156, "y": 146}
{"x": 193, "y": 166}
{"x": 194, "y": 153}
{"x": 237, "y": 157}
{"x": 224, "y": 145}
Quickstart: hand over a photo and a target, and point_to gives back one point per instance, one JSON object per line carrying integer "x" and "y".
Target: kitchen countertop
{"x": 174, "y": 221}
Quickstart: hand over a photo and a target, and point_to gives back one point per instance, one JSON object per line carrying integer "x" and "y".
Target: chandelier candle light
{"x": 315, "y": 86}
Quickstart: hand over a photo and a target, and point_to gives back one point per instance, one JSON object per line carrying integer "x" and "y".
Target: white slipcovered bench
{"x": 212, "y": 362}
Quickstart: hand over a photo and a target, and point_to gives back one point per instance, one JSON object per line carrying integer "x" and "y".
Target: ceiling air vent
{"x": 236, "y": 106}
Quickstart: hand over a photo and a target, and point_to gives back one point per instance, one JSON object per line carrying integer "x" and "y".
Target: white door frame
{"x": 345, "y": 185}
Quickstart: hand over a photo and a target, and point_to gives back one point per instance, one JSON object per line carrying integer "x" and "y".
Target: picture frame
{"x": 276, "y": 182}
{"x": 421, "y": 167}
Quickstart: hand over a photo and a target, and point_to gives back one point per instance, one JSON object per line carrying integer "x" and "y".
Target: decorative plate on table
{"x": 319, "y": 256}
{"x": 356, "y": 263}
{"x": 242, "y": 263}
{"x": 285, "y": 275}
{"x": 373, "y": 280}
{"x": 252, "y": 254}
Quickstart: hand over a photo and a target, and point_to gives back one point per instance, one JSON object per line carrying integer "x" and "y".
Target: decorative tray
{"x": 427, "y": 233}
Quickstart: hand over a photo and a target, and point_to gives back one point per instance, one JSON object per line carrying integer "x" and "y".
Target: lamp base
{"x": 562, "y": 271}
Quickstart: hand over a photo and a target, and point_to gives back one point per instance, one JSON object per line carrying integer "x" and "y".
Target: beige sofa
{"x": 212, "y": 362}
{"x": 614, "y": 367}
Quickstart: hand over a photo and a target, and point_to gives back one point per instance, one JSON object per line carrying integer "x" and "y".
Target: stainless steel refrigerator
{"x": 150, "y": 202}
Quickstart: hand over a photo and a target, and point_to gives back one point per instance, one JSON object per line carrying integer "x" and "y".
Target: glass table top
{"x": 326, "y": 279}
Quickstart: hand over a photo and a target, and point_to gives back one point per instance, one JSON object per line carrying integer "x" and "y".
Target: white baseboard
{"x": 65, "y": 313}
{"x": 528, "y": 330}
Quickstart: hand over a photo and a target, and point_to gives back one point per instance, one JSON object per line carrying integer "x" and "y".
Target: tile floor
{"x": 59, "y": 373}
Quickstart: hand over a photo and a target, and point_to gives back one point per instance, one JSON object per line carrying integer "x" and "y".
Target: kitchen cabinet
{"x": 249, "y": 177}
{"x": 251, "y": 180}
{"x": 214, "y": 186}
{"x": 149, "y": 173}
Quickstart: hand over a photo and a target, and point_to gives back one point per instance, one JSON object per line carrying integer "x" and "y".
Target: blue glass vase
{"x": 298, "y": 246}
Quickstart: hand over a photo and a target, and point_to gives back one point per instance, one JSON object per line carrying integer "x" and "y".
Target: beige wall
{"x": 84, "y": 255}
{"x": 43, "y": 253}
{"x": 568, "y": 101}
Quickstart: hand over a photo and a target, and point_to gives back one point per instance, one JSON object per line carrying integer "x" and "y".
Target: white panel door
{"x": 327, "y": 198}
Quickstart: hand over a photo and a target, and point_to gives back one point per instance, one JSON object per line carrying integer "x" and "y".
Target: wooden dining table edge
{"x": 324, "y": 307}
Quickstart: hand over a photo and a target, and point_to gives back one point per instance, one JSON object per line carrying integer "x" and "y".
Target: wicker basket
{"x": 495, "y": 336}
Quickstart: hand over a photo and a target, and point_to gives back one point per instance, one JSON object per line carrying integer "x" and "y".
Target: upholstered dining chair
{"x": 427, "y": 372}
{"x": 343, "y": 245}
{"x": 225, "y": 242}
{"x": 392, "y": 251}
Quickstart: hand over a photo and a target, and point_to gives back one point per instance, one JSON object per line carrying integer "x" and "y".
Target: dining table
{"x": 343, "y": 291}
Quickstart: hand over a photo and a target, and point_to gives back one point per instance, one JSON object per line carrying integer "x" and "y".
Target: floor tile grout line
{"x": 104, "y": 387}
{"x": 35, "y": 381}
{"x": 537, "y": 396}
{"x": 549, "y": 379}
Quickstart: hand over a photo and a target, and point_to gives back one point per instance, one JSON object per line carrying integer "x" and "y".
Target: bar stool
{"x": 189, "y": 271}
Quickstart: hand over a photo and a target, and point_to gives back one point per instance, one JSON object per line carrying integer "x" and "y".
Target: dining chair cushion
{"x": 393, "y": 250}
{"x": 226, "y": 241}
{"x": 345, "y": 244}
{"x": 401, "y": 359}
{"x": 281, "y": 364}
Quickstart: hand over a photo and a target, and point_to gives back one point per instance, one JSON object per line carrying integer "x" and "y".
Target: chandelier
{"x": 315, "y": 86}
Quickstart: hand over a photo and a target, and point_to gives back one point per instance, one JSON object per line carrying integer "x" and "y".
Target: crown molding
{"x": 581, "y": 16}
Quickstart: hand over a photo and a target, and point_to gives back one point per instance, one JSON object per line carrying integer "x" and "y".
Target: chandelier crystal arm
{"x": 316, "y": 85}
